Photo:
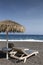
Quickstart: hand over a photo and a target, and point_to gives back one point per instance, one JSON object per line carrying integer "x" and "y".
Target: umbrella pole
{"x": 7, "y": 47}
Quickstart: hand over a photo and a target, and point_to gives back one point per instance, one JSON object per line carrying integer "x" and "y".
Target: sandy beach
{"x": 34, "y": 60}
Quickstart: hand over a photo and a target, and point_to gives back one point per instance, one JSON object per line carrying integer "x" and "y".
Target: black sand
{"x": 34, "y": 60}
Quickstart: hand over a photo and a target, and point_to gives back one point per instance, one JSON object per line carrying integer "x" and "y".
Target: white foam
{"x": 28, "y": 40}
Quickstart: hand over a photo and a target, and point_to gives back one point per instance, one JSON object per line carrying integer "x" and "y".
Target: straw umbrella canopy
{"x": 10, "y": 26}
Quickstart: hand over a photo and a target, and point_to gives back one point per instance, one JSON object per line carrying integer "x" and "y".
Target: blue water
{"x": 21, "y": 37}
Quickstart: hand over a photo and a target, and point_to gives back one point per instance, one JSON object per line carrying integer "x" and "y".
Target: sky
{"x": 28, "y": 13}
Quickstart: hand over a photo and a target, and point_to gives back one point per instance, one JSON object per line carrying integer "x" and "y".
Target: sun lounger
{"x": 22, "y": 54}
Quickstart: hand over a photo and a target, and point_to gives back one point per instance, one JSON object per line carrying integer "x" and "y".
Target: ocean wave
{"x": 26, "y": 40}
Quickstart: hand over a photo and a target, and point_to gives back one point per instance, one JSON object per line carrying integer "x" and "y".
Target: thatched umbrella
{"x": 10, "y": 26}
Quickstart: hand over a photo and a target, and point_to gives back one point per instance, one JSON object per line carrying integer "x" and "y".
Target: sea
{"x": 21, "y": 37}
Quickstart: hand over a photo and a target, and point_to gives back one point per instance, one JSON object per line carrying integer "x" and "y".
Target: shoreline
{"x": 30, "y": 40}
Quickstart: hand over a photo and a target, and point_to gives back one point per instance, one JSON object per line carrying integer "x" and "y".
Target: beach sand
{"x": 34, "y": 60}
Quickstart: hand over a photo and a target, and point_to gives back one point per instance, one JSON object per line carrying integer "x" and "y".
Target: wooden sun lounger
{"x": 26, "y": 54}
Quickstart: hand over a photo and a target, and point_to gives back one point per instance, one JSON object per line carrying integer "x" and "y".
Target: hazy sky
{"x": 29, "y": 13}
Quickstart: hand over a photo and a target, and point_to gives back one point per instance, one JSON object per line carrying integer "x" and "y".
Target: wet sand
{"x": 34, "y": 60}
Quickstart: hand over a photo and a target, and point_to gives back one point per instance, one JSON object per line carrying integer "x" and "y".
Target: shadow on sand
{"x": 15, "y": 60}
{"x": 2, "y": 55}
